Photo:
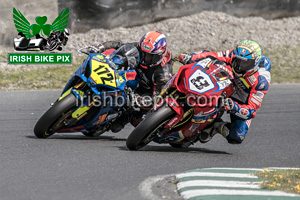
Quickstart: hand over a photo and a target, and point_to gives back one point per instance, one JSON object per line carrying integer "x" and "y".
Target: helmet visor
{"x": 242, "y": 65}
{"x": 149, "y": 59}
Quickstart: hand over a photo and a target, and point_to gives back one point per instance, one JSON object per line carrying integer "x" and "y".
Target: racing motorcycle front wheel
{"x": 146, "y": 131}
{"x": 54, "y": 117}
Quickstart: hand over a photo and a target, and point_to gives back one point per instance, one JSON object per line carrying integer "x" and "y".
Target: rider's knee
{"x": 237, "y": 135}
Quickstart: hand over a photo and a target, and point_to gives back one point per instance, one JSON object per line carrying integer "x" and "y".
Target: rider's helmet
{"x": 67, "y": 32}
{"x": 153, "y": 48}
{"x": 126, "y": 57}
{"x": 247, "y": 55}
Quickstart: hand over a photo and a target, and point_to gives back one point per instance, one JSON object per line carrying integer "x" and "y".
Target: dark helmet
{"x": 153, "y": 48}
{"x": 247, "y": 55}
{"x": 126, "y": 57}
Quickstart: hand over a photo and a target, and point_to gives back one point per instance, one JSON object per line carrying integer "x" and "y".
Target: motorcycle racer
{"x": 153, "y": 71}
{"x": 251, "y": 83}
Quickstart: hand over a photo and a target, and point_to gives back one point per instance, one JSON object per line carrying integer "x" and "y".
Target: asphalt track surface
{"x": 72, "y": 166}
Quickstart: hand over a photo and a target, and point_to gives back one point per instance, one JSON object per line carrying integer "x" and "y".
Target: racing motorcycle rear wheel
{"x": 53, "y": 45}
{"x": 54, "y": 117}
{"x": 145, "y": 132}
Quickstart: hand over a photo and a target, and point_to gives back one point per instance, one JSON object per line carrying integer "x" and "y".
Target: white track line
{"x": 214, "y": 183}
{"x": 214, "y": 174}
{"x": 246, "y": 169}
{"x": 204, "y": 192}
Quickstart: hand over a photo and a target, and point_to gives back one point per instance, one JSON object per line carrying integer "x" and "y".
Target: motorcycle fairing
{"x": 97, "y": 73}
{"x": 197, "y": 79}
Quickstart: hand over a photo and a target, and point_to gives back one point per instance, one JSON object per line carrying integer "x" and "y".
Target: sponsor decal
{"x": 210, "y": 111}
{"x": 224, "y": 84}
{"x": 243, "y": 51}
{"x": 204, "y": 62}
{"x": 255, "y": 101}
{"x": 200, "y": 113}
{"x": 198, "y": 120}
{"x": 260, "y": 94}
{"x": 252, "y": 79}
{"x": 244, "y": 111}
{"x": 193, "y": 127}
{"x": 257, "y": 97}
{"x": 172, "y": 122}
{"x": 241, "y": 116}
{"x": 100, "y": 58}
{"x": 147, "y": 47}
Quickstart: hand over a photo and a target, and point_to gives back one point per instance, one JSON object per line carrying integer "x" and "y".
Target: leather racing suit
{"x": 151, "y": 79}
{"x": 250, "y": 89}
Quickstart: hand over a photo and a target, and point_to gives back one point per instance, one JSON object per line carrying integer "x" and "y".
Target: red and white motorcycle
{"x": 189, "y": 104}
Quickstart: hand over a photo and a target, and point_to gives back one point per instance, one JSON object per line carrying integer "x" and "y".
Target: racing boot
{"x": 219, "y": 126}
{"x": 120, "y": 123}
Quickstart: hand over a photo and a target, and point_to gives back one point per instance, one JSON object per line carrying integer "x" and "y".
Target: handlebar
{"x": 84, "y": 50}
{"x": 176, "y": 59}
{"x": 87, "y": 50}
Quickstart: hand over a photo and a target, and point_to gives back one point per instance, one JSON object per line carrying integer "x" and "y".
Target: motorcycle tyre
{"x": 52, "y": 114}
{"x": 147, "y": 126}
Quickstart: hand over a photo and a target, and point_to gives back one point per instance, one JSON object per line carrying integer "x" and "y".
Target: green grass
{"x": 52, "y": 77}
{"x": 285, "y": 64}
{"x": 3, "y": 56}
{"x": 280, "y": 179}
{"x": 37, "y": 77}
{"x": 285, "y": 69}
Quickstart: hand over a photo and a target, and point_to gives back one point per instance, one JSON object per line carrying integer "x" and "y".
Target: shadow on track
{"x": 168, "y": 149}
{"x": 78, "y": 137}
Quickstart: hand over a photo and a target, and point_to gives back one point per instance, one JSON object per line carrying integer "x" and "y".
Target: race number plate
{"x": 101, "y": 73}
{"x": 200, "y": 82}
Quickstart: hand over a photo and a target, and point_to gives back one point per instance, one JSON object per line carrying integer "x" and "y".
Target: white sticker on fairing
{"x": 204, "y": 62}
{"x": 194, "y": 127}
{"x": 224, "y": 84}
{"x": 200, "y": 82}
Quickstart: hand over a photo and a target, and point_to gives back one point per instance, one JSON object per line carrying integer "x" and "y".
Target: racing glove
{"x": 230, "y": 105}
{"x": 184, "y": 58}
